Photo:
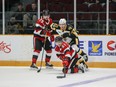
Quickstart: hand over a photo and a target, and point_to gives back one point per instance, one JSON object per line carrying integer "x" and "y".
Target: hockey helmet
{"x": 58, "y": 39}
{"x": 46, "y": 12}
{"x": 62, "y": 21}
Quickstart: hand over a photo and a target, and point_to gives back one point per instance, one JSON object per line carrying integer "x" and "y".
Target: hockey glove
{"x": 65, "y": 63}
{"x": 54, "y": 26}
{"x": 48, "y": 33}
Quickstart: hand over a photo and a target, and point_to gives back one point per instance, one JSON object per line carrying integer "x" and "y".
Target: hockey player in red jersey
{"x": 70, "y": 58}
{"x": 42, "y": 37}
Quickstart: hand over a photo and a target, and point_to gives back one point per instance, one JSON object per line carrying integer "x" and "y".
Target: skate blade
{"x": 86, "y": 69}
{"x": 33, "y": 68}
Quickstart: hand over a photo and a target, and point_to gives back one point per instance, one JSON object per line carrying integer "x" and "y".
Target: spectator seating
{"x": 58, "y": 16}
{"x": 71, "y": 16}
{"x": 112, "y": 7}
{"x": 97, "y": 7}
{"x": 113, "y": 16}
{"x": 82, "y": 7}
{"x": 55, "y": 8}
{"x": 90, "y": 1}
{"x": 102, "y": 16}
{"x": 86, "y": 16}
{"x": 28, "y": 6}
{"x": 69, "y": 7}
{"x": 80, "y": 1}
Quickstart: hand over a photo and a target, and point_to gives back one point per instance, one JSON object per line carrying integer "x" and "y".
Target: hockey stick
{"x": 63, "y": 76}
{"x": 60, "y": 77}
{"x": 42, "y": 56}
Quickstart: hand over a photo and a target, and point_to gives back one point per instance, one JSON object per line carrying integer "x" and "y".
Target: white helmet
{"x": 62, "y": 21}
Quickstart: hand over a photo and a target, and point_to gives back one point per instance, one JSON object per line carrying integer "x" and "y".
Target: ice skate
{"x": 86, "y": 67}
{"x": 81, "y": 68}
{"x": 48, "y": 65}
{"x": 33, "y": 66}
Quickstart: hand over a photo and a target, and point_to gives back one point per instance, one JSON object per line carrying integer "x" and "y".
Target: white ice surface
{"x": 25, "y": 77}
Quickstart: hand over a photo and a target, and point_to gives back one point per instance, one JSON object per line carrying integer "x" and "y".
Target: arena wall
{"x": 17, "y": 50}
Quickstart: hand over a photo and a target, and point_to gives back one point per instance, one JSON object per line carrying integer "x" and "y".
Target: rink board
{"x": 17, "y": 50}
{"x": 58, "y": 64}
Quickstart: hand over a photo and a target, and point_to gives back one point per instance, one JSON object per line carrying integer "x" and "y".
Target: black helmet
{"x": 45, "y": 12}
{"x": 58, "y": 39}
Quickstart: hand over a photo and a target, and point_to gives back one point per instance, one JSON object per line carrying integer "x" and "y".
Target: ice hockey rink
{"x": 26, "y": 77}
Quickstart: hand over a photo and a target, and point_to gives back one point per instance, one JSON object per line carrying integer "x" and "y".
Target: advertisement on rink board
{"x": 5, "y": 47}
{"x": 111, "y": 48}
{"x": 19, "y": 47}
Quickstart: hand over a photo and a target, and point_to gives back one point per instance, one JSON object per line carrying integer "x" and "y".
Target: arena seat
{"x": 102, "y": 16}
{"x": 58, "y": 16}
{"x": 82, "y": 7}
{"x": 55, "y": 8}
{"x": 69, "y": 8}
{"x": 28, "y": 6}
{"x": 86, "y": 16}
{"x": 80, "y": 1}
{"x": 113, "y": 16}
{"x": 95, "y": 8}
{"x": 112, "y": 7}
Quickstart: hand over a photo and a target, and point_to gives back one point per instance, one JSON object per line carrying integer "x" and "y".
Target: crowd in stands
{"x": 89, "y": 12}
{"x": 0, "y": 16}
{"x": 22, "y": 20}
